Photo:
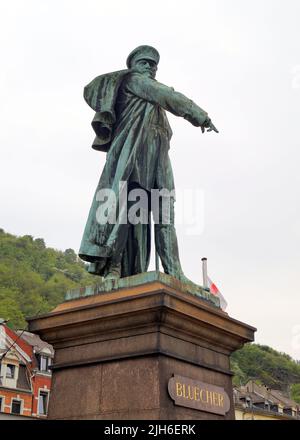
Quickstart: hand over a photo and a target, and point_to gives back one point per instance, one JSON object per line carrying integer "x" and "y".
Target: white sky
{"x": 240, "y": 61}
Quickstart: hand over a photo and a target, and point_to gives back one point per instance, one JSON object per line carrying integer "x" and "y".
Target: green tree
{"x": 295, "y": 392}
{"x": 70, "y": 256}
{"x": 9, "y": 309}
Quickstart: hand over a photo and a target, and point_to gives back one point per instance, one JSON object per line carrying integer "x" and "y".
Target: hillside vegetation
{"x": 266, "y": 366}
{"x": 35, "y": 278}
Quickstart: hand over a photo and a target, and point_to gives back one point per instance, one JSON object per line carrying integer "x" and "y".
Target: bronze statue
{"x": 131, "y": 125}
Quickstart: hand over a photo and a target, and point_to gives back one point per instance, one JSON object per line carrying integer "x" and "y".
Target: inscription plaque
{"x": 198, "y": 395}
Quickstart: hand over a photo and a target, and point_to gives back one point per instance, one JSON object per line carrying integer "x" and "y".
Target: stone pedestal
{"x": 116, "y": 351}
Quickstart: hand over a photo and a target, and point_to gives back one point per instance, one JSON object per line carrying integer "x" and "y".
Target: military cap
{"x": 143, "y": 52}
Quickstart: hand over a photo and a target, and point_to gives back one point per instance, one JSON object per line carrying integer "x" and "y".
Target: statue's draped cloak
{"x": 135, "y": 133}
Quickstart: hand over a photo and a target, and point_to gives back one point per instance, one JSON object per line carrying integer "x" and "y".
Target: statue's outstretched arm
{"x": 172, "y": 101}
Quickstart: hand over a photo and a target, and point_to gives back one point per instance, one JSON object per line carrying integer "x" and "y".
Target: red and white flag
{"x": 215, "y": 291}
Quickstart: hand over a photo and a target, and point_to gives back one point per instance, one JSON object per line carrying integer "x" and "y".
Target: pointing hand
{"x": 209, "y": 125}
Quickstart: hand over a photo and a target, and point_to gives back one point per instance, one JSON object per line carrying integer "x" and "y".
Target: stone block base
{"x": 115, "y": 353}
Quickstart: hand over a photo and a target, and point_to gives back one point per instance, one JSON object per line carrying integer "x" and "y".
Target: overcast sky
{"x": 240, "y": 61}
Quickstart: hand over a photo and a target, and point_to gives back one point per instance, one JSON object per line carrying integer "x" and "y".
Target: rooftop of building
{"x": 35, "y": 341}
{"x": 262, "y": 398}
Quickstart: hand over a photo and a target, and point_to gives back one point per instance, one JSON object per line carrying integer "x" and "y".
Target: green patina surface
{"x": 131, "y": 126}
{"x": 139, "y": 280}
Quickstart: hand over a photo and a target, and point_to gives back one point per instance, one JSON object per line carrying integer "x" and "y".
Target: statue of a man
{"x": 131, "y": 125}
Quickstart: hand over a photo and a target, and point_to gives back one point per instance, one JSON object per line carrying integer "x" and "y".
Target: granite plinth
{"x": 116, "y": 351}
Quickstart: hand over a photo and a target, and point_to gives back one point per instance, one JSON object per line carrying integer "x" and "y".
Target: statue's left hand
{"x": 209, "y": 125}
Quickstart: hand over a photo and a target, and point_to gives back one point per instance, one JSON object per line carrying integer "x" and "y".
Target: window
{"x": 1, "y": 400}
{"x": 45, "y": 363}
{"x": 16, "y": 407}
{"x": 10, "y": 371}
{"x": 43, "y": 402}
{"x": 248, "y": 402}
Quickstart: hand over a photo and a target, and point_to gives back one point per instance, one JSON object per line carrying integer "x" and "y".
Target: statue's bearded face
{"x": 145, "y": 67}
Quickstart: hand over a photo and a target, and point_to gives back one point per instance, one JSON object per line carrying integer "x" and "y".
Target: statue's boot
{"x": 96, "y": 268}
{"x": 167, "y": 248}
{"x": 114, "y": 272}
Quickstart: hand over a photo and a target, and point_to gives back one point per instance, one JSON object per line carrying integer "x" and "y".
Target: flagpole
{"x": 204, "y": 273}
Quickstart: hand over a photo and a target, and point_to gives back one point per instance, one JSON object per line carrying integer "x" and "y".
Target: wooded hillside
{"x": 35, "y": 278}
{"x": 268, "y": 367}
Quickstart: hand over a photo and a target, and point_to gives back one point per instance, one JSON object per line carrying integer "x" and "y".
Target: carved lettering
{"x": 198, "y": 395}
